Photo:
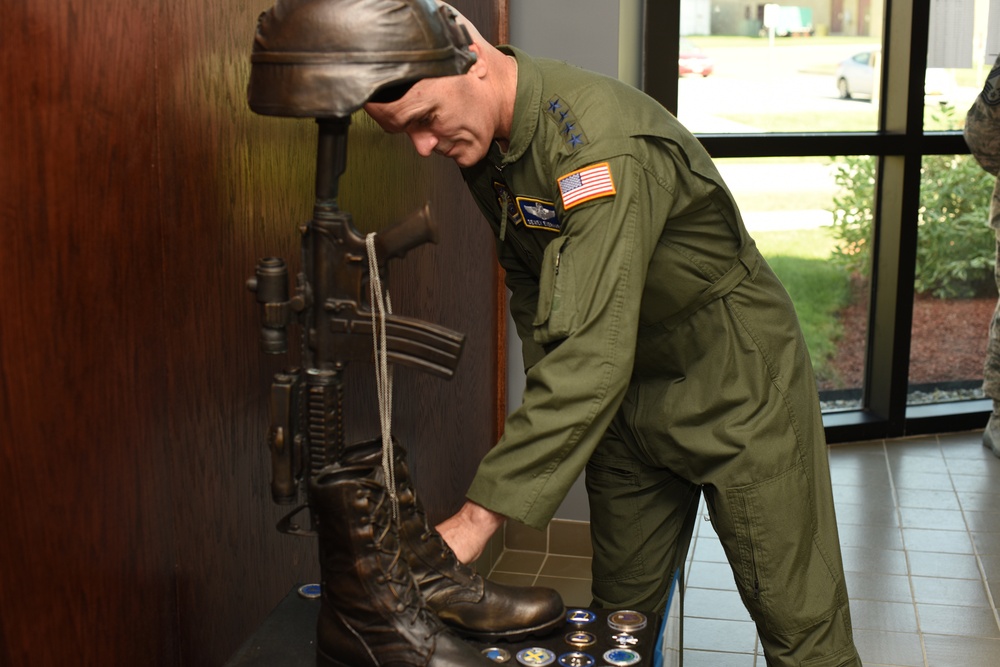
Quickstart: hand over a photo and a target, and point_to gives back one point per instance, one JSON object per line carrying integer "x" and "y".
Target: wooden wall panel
{"x": 80, "y": 454}
{"x": 137, "y": 192}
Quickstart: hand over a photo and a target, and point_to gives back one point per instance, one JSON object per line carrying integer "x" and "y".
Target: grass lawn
{"x": 818, "y": 289}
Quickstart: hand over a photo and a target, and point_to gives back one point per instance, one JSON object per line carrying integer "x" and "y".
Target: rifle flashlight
{"x": 270, "y": 283}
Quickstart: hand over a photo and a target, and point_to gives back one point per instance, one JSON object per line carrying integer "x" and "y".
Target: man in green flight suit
{"x": 662, "y": 354}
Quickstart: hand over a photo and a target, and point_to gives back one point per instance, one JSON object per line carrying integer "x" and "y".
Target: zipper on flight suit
{"x": 753, "y": 556}
{"x": 559, "y": 255}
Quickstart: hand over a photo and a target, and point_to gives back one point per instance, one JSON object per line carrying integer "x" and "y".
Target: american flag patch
{"x": 585, "y": 184}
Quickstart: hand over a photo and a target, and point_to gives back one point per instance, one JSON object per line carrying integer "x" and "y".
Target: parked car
{"x": 692, "y": 60}
{"x": 856, "y": 78}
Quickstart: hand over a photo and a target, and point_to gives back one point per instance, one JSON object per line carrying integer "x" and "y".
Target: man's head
{"x": 456, "y": 116}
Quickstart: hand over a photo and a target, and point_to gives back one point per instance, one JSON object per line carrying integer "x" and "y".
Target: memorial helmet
{"x": 326, "y": 58}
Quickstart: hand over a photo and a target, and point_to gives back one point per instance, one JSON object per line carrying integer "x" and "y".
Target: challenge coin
{"x": 310, "y": 591}
{"x": 581, "y": 639}
{"x": 577, "y": 659}
{"x": 624, "y": 639}
{"x": 627, "y": 621}
{"x": 580, "y": 616}
{"x": 535, "y": 656}
{"x": 497, "y": 654}
{"x": 621, "y": 657}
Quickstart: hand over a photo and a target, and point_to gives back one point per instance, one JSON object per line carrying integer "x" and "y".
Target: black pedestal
{"x": 287, "y": 638}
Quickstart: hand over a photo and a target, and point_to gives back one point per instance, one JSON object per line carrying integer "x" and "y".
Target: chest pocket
{"x": 556, "y": 316}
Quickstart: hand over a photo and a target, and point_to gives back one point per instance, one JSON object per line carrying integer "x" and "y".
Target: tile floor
{"x": 919, "y": 522}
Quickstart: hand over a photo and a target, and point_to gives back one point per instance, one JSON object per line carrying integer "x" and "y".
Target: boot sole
{"x": 511, "y": 635}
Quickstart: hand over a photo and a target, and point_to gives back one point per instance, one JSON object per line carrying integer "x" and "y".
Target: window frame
{"x": 899, "y": 144}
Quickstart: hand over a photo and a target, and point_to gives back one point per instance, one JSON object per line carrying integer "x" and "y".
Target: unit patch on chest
{"x": 507, "y": 201}
{"x": 538, "y": 214}
{"x": 570, "y": 130}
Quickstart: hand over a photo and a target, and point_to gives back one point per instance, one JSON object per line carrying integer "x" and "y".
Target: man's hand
{"x": 468, "y": 531}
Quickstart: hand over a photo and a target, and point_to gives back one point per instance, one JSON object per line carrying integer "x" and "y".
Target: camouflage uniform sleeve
{"x": 982, "y": 123}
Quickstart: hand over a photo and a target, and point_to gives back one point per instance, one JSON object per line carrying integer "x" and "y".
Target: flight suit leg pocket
{"x": 785, "y": 580}
{"x": 555, "y": 318}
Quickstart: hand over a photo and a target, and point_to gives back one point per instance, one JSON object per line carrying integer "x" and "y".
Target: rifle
{"x": 329, "y": 306}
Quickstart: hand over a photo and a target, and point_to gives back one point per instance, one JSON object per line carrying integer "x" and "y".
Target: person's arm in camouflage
{"x": 982, "y": 124}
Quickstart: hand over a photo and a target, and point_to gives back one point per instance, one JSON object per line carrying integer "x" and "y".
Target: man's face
{"x": 440, "y": 115}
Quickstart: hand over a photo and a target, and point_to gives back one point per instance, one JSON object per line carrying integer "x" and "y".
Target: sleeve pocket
{"x": 555, "y": 318}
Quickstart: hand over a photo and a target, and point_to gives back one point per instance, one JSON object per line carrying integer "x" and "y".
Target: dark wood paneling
{"x": 87, "y": 573}
{"x": 137, "y": 192}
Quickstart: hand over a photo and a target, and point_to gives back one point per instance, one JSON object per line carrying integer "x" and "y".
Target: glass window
{"x": 955, "y": 293}
{"x": 747, "y": 68}
{"x": 812, "y": 220}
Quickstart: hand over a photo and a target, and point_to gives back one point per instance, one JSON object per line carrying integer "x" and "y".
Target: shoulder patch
{"x": 538, "y": 214}
{"x": 585, "y": 184}
{"x": 557, "y": 111}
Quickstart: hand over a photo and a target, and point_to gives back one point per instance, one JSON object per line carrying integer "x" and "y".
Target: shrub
{"x": 955, "y": 252}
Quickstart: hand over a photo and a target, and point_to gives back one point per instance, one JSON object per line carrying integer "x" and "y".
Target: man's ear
{"x": 478, "y": 68}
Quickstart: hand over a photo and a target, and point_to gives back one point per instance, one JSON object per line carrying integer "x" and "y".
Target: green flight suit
{"x": 662, "y": 355}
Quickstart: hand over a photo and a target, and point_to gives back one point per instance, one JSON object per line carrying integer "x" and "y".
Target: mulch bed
{"x": 948, "y": 341}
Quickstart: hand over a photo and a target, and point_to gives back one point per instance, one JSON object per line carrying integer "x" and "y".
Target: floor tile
{"x": 942, "y": 500}
{"x": 884, "y": 587}
{"x": 712, "y": 575}
{"x": 523, "y": 562}
{"x": 859, "y": 476}
{"x": 867, "y": 515}
{"x": 986, "y": 543}
{"x": 991, "y": 565}
{"x": 983, "y": 522}
{"x": 964, "y": 621}
{"x": 861, "y": 495}
{"x": 880, "y": 615}
{"x": 976, "y": 467}
{"x": 915, "y": 446}
{"x": 573, "y": 567}
{"x": 512, "y": 578}
{"x": 962, "y": 444}
{"x": 975, "y": 483}
{"x": 961, "y": 651}
{"x": 879, "y": 561}
{"x": 870, "y": 537}
{"x": 719, "y": 635}
{"x": 901, "y": 464}
{"x": 942, "y": 541}
{"x": 973, "y": 501}
{"x": 709, "y": 549}
{"x": 714, "y": 603}
{"x": 957, "y": 592}
{"x": 936, "y": 519}
{"x": 890, "y": 648}
{"x": 719, "y": 659}
{"x": 935, "y": 481}
{"x": 944, "y": 566}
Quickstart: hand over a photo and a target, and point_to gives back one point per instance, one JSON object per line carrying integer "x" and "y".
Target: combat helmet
{"x": 326, "y": 58}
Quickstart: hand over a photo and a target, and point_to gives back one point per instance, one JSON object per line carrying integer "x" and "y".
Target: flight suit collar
{"x": 527, "y": 104}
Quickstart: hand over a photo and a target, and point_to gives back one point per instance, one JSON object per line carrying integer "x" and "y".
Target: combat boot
{"x": 470, "y": 604}
{"x": 372, "y": 614}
